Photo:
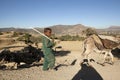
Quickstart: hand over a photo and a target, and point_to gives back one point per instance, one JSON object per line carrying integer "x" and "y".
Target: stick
{"x": 41, "y": 33}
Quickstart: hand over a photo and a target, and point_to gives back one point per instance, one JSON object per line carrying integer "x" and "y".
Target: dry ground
{"x": 71, "y": 50}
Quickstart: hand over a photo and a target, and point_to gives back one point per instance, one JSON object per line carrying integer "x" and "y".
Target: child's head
{"x": 47, "y": 31}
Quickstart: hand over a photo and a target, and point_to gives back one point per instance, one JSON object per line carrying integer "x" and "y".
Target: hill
{"x": 66, "y": 29}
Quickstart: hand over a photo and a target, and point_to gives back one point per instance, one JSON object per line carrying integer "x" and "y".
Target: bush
{"x": 1, "y": 33}
{"x": 21, "y": 38}
{"x": 35, "y": 39}
{"x": 27, "y": 38}
{"x": 71, "y": 38}
{"x": 15, "y": 34}
{"x": 89, "y": 31}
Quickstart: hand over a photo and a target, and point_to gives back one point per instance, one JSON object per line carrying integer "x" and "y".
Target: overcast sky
{"x": 43, "y": 13}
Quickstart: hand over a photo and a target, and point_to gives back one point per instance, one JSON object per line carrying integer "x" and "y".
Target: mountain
{"x": 65, "y": 29}
{"x": 114, "y": 27}
{"x": 57, "y": 29}
{"x": 13, "y": 29}
{"x": 111, "y": 29}
{"x": 68, "y": 29}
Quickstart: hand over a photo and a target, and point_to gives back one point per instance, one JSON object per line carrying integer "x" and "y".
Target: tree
{"x": 27, "y": 38}
{"x": 89, "y": 31}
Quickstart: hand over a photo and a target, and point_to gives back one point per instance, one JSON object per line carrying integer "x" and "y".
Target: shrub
{"x": 15, "y": 34}
{"x": 35, "y": 39}
{"x": 89, "y": 31}
{"x": 1, "y": 33}
{"x": 71, "y": 38}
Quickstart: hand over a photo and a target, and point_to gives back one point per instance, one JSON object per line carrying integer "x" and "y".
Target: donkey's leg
{"x": 89, "y": 59}
{"x": 106, "y": 53}
{"x": 112, "y": 57}
{"x": 85, "y": 57}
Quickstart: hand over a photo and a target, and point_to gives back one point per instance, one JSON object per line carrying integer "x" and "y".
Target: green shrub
{"x": 15, "y": 34}
{"x": 1, "y": 33}
{"x": 71, "y": 38}
{"x": 89, "y": 31}
{"x": 21, "y": 38}
{"x": 35, "y": 39}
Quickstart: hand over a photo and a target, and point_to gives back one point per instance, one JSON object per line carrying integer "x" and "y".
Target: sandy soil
{"x": 71, "y": 51}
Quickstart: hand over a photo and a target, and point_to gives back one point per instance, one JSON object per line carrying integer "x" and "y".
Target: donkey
{"x": 94, "y": 43}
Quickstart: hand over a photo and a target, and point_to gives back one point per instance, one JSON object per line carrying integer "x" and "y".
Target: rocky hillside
{"x": 66, "y": 29}
{"x": 111, "y": 29}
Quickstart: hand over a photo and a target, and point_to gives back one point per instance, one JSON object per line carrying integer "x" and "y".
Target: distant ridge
{"x": 114, "y": 27}
{"x": 64, "y": 29}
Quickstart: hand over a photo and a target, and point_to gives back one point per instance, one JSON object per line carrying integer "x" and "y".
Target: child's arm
{"x": 48, "y": 43}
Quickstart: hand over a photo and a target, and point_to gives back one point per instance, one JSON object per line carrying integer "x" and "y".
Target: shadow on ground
{"x": 62, "y": 53}
{"x": 116, "y": 52}
{"x": 65, "y": 64}
{"x": 87, "y": 72}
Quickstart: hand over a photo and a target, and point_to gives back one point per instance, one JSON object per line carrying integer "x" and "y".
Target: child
{"x": 49, "y": 58}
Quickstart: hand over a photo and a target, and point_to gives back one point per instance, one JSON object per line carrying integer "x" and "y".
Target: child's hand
{"x": 52, "y": 40}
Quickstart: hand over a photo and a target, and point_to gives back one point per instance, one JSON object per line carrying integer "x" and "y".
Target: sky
{"x": 44, "y": 13}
